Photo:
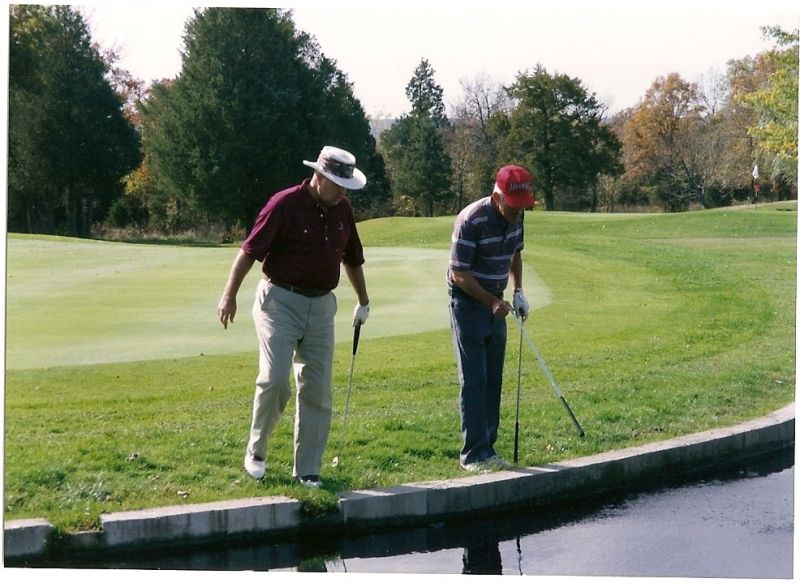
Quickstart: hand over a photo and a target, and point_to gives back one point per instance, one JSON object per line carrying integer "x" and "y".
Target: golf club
{"x": 549, "y": 377}
{"x": 519, "y": 385}
{"x": 356, "y": 333}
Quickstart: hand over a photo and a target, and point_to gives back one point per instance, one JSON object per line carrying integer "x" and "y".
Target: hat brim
{"x": 358, "y": 181}
{"x": 520, "y": 200}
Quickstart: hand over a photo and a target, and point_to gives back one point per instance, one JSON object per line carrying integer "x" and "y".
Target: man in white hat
{"x": 301, "y": 237}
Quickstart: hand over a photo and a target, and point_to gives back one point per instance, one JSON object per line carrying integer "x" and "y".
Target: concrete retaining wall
{"x": 28, "y": 540}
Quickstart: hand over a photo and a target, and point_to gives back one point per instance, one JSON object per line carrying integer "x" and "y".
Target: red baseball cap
{"x": 514, "y": 182}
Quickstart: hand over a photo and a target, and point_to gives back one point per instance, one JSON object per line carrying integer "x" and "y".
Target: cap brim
{"x": 358, "y": 181}
{"x": 520, "y": 200}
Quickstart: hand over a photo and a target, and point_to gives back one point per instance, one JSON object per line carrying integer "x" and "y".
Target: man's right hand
{"x": 226, "y": 310}
{"x": 501, "y": 308}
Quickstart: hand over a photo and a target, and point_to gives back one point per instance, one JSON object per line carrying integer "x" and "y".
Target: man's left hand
{"x": 521, "y": 305}
{"x": 360, "y": 314}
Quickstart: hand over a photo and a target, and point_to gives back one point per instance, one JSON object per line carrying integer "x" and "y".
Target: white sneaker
{"x": 312, "y": 481}
{"x": 497, "y": 462}
{"x": 476, "y": 467}
{"x": 255, "y": 466}
{"x": 493, "y": 463}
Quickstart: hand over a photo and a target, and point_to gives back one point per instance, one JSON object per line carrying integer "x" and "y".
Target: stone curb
{"x": 415, "y": 502}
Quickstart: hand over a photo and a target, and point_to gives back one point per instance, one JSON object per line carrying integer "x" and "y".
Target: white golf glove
{"x": 360, "y": 315}
{"x": 521, "y": 305}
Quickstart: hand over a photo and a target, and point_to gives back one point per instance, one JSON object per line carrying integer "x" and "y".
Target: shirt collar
{"x": 492, "y": 212}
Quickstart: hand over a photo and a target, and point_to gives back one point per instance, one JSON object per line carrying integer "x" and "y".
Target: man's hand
{"x": 226, "y": 310}
{"x": 360, "y": 314}
{"x": 521, "y": 305}
{"x": 501, "y": 308}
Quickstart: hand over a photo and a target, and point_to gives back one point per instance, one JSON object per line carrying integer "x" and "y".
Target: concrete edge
{"x": 410, "y": 503}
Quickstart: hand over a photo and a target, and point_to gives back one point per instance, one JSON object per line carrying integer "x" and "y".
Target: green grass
{"x": 654, "y": 326}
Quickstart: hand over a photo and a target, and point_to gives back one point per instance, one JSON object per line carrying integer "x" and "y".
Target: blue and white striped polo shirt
{"x": 484, "y": 244}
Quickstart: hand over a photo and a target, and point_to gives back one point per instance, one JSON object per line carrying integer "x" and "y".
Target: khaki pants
{"x": 293, "y": 331}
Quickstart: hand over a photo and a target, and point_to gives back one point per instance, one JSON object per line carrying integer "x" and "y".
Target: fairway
{"x": 653, "y": 325}
{"x": 78, "y": 302}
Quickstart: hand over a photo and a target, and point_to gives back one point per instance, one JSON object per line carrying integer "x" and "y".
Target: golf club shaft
{"x": 519, "y": 385}
{"x": 356, "y": 334}
{"x": 549, "y": 376}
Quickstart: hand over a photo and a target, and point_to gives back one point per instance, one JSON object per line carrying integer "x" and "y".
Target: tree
{"x": 775, "y": 102}
{"x": 69, "y": 142}
{"x": 473, "y": 137}
{"x": 426, "y": 95}
{"x": 661, "y": 138}
{"x": 555, "y": 129}
{"x": 255, "y": 97}
{"x": 414, "y": 147}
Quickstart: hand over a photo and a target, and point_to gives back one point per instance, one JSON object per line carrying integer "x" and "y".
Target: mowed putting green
{"x": 77, "y": 302}
{"x": 123, "y": 391}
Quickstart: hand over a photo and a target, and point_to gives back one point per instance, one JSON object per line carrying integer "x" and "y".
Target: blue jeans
{"x": 479, "y": 342}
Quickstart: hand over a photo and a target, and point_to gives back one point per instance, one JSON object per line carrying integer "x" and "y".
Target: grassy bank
{"x": 654, "y": 326}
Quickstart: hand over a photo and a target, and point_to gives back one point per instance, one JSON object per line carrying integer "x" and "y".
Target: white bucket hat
{"x": 339, "y": 166}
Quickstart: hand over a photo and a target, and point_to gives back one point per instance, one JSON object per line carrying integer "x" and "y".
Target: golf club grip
{"x": 356, "y": 334}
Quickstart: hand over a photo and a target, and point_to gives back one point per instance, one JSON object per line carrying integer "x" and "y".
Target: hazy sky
{"x": 617, "y": 48}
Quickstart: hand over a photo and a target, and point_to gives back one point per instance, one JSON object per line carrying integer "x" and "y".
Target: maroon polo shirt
{"x": 300, "y": 243}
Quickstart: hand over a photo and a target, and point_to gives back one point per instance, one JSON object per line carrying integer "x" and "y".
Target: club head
{"x": 335, "y": 462}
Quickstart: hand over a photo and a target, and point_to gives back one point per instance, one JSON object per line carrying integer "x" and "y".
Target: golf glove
{"x": 521, "y": 305}
{"x": 360, "y": 315}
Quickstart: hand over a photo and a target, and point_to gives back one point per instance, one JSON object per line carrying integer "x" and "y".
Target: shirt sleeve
{"x": 354, "y": 251}
{"x": 266, "y": 226}
{"x": 464, "y": 244}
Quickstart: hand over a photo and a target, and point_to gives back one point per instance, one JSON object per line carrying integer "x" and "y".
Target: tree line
{"x": 90, "y": 147}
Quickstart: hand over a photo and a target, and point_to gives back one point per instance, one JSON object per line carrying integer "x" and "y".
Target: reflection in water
{"x": 483, "y": 559}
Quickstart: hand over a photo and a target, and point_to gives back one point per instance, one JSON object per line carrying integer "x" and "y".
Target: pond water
{"x": 728, "y": 523}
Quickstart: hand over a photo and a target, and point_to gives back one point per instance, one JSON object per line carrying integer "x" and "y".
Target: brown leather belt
{"x": 303, "y": 291}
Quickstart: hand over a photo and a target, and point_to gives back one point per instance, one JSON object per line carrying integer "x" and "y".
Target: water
{"x": 735, "y": 523}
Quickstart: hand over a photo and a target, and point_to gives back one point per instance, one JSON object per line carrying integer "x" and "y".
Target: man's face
{"x": 329, "y": 193}
{"x": 512, "y": 215}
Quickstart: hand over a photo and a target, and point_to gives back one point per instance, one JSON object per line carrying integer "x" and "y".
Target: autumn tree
{"x": 775, "y": 103}
{"x": 661, "y": 139}
{"x": 69, "y": 143}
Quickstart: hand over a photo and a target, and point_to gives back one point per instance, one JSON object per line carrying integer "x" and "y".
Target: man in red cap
{"x": 486, "y": 250}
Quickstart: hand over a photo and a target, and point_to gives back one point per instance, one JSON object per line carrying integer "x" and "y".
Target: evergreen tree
{"x": 426, "y": 95}
{"x": 255, "y": 97}
{"x": 69, "y": 143}
{"x": 414, "y": 147}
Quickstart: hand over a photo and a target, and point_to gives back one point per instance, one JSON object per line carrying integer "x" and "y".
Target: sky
{"x": 616, "y": 48}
